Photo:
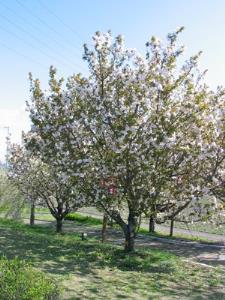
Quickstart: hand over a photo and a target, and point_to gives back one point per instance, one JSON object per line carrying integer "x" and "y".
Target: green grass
{"x": 82, "y": 219}
{"x": 198, "y": 226}
{"x": 18, "y": 280}
{"x": 92, "y": 270}
{"x": 43, "y": 213}
{"x": 88, "y": 220}
{"x": 79, "y": 218}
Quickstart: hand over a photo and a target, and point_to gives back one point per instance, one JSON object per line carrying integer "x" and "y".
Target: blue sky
{"x": 38, "y": 33}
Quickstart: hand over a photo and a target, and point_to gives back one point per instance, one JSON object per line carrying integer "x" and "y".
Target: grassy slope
{"x": 199, "y": 226}
{"x": 82, "y": 219}
{"x": 91, "y": 270}
{"x": 43, "y": 214}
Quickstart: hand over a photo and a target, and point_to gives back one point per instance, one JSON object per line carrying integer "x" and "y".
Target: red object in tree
{"x": 112, "y": 189}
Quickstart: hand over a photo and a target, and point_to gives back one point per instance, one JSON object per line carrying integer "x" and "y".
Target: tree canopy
{"x": 137, "y": 133}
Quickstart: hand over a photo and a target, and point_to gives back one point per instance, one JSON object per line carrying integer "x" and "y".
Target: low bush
{"x": 19, "y": 281}
{"x": 83, "y": 219}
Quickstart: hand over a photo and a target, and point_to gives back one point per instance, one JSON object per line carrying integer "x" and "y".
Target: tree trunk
{"x": 130, "y": 232}
{"x": 129, "y": 240}
{"x": 151, "y": 224}
{"x": 32, "y": 214}
{"x": 171, "y": 227}
{"x": 129, "y": 229}
{"x": 104, "y": 226}
{"x": 59, "y": 223}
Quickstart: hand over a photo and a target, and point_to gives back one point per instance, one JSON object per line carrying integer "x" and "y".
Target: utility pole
{"x": 7, "y": 128}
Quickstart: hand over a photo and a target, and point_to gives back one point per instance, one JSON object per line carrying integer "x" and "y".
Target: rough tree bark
{"x": 171, "y": 227}
{"x": 59, "y": 217}
{"x": 151, "y": 224}
{"x": 32, "y": 214}
{"x": 130, "y": 232}
{"x": 129, "y": 240}
{"x": 129, "y": 228}
{"x": 59, "y": 223}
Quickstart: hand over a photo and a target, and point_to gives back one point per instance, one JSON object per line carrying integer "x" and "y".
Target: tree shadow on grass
{"x": 203, "y": 253}
{"x": 68, "y": 255}
{"x": 209, "y": 254}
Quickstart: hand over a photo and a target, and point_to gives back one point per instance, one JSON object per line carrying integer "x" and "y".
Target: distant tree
{"x": 39, "y": 183}
{"x": 214, "y": 164}
{"x": 11, "y": 200}
{"x": 59, "y": 141}
{"x": 197, "y": 191}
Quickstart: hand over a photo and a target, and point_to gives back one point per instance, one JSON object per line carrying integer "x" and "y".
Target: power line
{"x": 22, "y": 55}
{"x": 60, "y": 20}
{"x": 36, "y": 39}
{"x": 46, "y": 24}
{"x": 26, "y": 42}
{"x": 36, "y": 27}
{"x": 35, "y": 48}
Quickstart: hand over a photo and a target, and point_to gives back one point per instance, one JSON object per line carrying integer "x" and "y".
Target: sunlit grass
{"x": 92, "y": 270}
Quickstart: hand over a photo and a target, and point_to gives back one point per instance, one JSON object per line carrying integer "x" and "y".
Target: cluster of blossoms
{"x": 142, "y": 121}
{"x": 40, "y": 184}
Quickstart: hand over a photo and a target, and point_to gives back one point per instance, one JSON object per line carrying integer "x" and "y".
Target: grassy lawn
{"x": 43, "y": 214}
{"x": 79, "y": 218}
{"x": 198, "y": 226}
{"x": 92, "y": 270}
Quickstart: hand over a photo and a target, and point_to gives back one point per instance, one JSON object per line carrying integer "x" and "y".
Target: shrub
{"x": 19, "y": 281}
{"x": 83, "y": 219}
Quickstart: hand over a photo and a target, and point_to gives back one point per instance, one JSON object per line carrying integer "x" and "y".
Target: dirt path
{"x": 189, "y": 233}
{"x": 165, "y": 229}
{"x": 211, "y": 255}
